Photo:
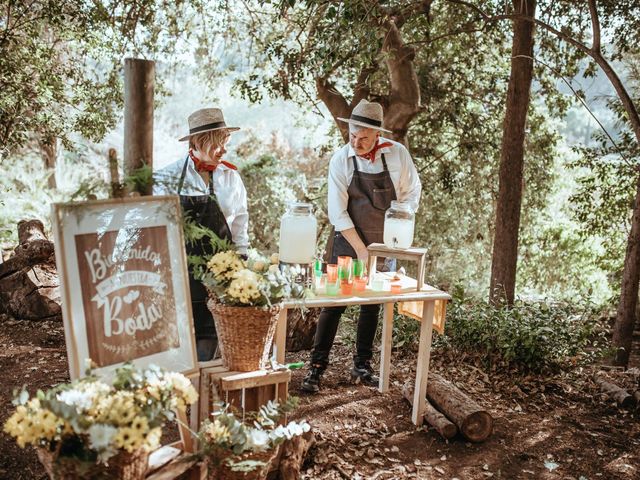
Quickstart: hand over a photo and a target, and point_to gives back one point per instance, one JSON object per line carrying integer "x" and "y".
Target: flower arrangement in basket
{"x": 245, "y": 297}
{"x": 89, "y": 429}
{"x": 236, "y": 449}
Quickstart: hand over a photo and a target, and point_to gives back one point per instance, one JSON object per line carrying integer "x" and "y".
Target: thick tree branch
{"x": 335, "y": 102}
{"x": 400, "y": 16}
{"x": 362, "y": 89}
{"x": 595, "y": 26}
{"x": 404, "y": 97}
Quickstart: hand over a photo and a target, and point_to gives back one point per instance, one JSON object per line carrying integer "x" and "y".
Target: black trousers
{"x": 328, "y": 326}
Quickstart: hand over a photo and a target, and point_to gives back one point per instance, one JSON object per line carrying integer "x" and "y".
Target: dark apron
{"x": 370, "y": 195}
{"x": 205, "y": 210}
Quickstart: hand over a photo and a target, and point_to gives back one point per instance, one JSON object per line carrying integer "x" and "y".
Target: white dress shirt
{"x": 402, "y": 171}
{"x": 227, "y": 185}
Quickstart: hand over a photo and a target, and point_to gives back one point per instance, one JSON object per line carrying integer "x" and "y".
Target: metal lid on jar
{"x": 300, "y": 208}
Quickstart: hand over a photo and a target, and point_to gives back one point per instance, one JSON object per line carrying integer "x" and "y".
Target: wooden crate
{"x": 245, "y": 391}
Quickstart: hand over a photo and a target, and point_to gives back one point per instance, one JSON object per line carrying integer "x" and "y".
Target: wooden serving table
{"x": 427, "y": 295}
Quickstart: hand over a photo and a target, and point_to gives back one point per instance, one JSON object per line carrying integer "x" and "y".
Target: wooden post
{"x": 422, "y": 369}
{"x": 138, "y": 116}
{"x": 385, "y": 348}
{"x": 116, "y": 188}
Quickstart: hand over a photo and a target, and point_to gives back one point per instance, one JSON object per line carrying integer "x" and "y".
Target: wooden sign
{"x": 123, "y": 276}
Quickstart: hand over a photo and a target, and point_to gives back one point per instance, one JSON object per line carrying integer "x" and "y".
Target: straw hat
{"x": 366, "y": 114}
{"x": 206, "y": 120}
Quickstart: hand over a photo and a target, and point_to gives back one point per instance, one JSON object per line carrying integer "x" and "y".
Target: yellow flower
{"x": 216, "y": 432}
{"x": 129, "y": 439}
{"x": 224, "y": 264}
{"x": 140, "y": 424}
{"x": 152, "y": 439}
{"x": 184, "y": 388}
{"x": 48, "y": 423}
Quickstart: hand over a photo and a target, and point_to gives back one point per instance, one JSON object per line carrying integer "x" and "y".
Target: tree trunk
{"x": 505, "y": 244}
{"x": 625, "y": 317}
{"x": 138, "y": 116}
{"x": 301, "y": 328}
{"x": 474, "y": 422}
{"x": 437, "y": 420}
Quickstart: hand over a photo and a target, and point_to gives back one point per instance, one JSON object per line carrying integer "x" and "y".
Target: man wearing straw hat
{"x": 365, "y": 175}
{"x": 211, "y": 193}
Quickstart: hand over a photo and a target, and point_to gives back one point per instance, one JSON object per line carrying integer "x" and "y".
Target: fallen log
{"x": 474, "y": 422}
{"x": 437, "y": 420}
{"x": 623, "y": 398}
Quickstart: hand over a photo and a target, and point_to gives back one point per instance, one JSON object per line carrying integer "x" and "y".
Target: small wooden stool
{"x": 418, "y": 255}
{"x": 246, "y": 391}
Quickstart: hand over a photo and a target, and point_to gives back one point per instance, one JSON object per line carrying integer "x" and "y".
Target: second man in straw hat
{"x": 213, "y": 194}
{"x": 365, "y": 176}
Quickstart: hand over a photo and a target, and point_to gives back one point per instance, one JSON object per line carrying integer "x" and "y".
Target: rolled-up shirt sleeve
{"x": 165, "y": 181}
{"x": 240, "y": 224}
{"x": 410, "y": 186}
{"x": 338, "y": 198}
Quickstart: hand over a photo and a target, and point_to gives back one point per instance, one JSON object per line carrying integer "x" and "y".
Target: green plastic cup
{"x": 358, "y": 268}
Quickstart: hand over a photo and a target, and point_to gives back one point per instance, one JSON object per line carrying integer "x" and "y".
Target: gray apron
{"x": 370, "y": 195}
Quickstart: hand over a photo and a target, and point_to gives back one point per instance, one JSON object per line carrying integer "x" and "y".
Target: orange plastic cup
{"x": 332, "y": 272}
{"x": 345, "y": 260}
{"x": 397, "y": 288}
{"x": 346, "y": 288}
{"x": 359, "y": 284}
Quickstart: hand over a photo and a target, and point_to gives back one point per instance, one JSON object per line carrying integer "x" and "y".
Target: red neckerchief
{"x": 208, "y": 167}
{"x": 371, "y": 156}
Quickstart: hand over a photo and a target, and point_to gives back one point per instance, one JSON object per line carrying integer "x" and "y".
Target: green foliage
{"x": 61, "y": 63}
{"x": 225, "y": 437}
{"x": 531, "y": 335}
{"x": 607, "y": 179}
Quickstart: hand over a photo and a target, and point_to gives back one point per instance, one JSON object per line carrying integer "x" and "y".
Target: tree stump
{"x": 474, "y": 422}
{"x": 301, "y": 328}
{"x": 29, "y": 285}
{"x": 437, "y": 420}
{"x": 293, "y": 454}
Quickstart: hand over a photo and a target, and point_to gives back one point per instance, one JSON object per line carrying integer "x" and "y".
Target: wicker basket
{"x": 245, "y": 334}
{"x": 223, "y": 470}
{"x": 123, "y": 466}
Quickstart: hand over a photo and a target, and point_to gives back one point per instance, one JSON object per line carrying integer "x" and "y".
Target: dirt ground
{"x": 553, "y": 427}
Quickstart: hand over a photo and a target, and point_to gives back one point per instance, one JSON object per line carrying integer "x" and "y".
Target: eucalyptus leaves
{"x": 228, "y": 439}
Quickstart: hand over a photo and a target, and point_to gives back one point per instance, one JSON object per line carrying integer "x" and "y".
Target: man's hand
{"x": 363, "y": 254}
{"x": 356, "y": 242}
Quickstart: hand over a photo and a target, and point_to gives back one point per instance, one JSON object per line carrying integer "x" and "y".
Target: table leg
{"x": 385, "y": 350}
{"x": 422, "y": 369}
{"x": 281, "y": 336}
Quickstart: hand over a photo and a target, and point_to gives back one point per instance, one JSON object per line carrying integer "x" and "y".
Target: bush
{"x": 537, "y": 335}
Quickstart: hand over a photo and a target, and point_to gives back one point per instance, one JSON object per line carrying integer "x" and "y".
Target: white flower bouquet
{"x": 87, "y": 423}
{"x": 231, "y": 445}
{"x": 257, "y": 281}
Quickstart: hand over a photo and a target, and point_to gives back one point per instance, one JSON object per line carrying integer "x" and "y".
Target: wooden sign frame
{"x": 124, "y": 284}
